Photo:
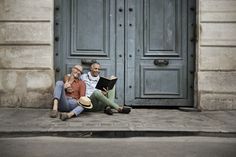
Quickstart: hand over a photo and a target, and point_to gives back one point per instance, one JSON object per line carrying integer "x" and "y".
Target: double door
{"x": 145, "y": 43}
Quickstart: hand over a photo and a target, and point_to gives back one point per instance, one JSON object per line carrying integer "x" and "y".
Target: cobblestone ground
{"x": 37, "y": 120}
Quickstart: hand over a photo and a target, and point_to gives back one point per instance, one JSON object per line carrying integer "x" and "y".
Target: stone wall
{"x": 26, "y": 53}
{"x": 216, "y": 55}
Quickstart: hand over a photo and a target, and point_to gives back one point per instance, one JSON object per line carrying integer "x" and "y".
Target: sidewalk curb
{"x": 115, "y": 134}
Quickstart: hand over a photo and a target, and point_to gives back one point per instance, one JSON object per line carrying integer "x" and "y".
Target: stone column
{"x": 26, "y": 53}
{"x": 216, "y": 55}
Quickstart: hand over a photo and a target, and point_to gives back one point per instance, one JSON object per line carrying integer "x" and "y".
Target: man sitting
{"x": 101, "y": 100}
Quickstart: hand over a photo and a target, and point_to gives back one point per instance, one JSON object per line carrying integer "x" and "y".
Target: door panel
{"x": 90, "y": 20}
{"x": 160, "y": 82}
{"x": 160, "y": 35}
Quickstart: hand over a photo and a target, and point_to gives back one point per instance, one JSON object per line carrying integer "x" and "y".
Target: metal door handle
{"x": 161, "y": 62}
{"x": 88, "y": 61}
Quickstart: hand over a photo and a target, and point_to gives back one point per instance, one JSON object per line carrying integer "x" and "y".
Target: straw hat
{"x": 78, "y": 67}
{"x": 85, "y": 102}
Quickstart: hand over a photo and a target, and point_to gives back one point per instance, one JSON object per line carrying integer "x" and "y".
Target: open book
{"x": 107, "y": 83}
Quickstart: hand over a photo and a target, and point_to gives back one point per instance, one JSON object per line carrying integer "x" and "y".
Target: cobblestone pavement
{"x": 21, "y": 120}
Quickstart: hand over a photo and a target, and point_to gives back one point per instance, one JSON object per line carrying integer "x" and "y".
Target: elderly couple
{"x": 77, "y": 93}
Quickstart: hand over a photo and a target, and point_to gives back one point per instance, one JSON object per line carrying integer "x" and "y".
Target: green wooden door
{"x": 146, "y": 43}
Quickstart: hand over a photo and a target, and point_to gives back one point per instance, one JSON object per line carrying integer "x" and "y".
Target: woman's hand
{"x": 67, "y": 84}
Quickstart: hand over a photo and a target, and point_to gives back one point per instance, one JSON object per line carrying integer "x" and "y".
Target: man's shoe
{"x": 53, "y": 114}
{"x": 64, "y": 116}
{"x": 125, "y": 110}
{"x": 108, "y": 110}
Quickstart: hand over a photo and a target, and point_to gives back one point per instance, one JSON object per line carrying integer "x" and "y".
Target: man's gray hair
{"x": 94, "y": 63}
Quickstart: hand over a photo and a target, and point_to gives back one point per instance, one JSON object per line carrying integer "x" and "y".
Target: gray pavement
{"x": 140, "y": 122}
{"x": 190, "y": 146}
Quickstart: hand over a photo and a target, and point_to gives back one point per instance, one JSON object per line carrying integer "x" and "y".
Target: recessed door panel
{"x": 161, "y": 23}
{"x": 160, "y": 82}
{"x": 89, "y": 27}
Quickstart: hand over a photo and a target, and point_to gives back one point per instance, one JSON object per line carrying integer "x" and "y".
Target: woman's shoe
{"x": 64, "y": 116}
{"x": 53, "y": 114}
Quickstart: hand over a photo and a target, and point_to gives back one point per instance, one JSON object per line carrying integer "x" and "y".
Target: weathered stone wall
{"x": 26, "y": 53}
{"x": 216, "y": 54}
